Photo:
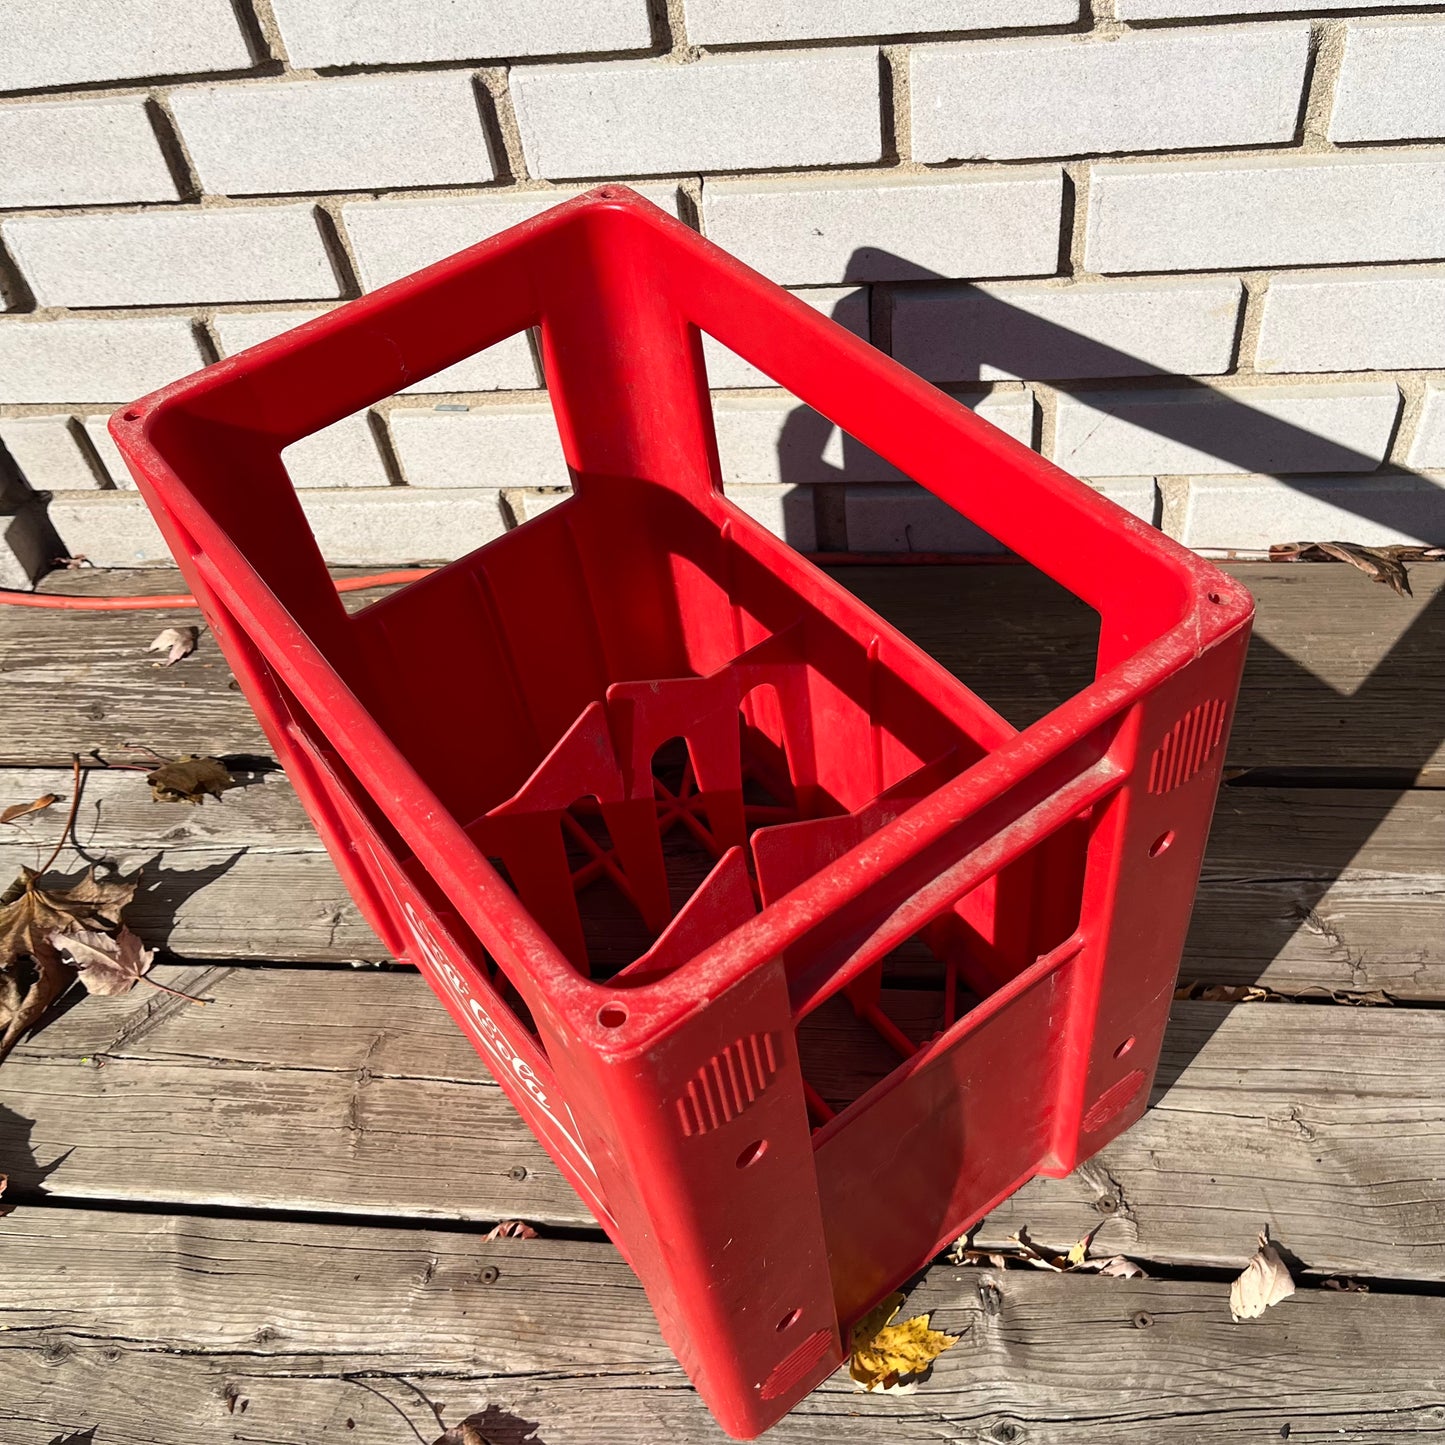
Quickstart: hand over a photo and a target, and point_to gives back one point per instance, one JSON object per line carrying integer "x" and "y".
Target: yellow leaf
{"x": 885, "y": 1354}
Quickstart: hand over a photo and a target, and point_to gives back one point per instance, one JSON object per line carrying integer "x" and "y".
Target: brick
{"x": 48, "y": 453}
{"x": 1338, "y": 427}
{"x": 111, "y": 461}
{"x": 391, "y": 239}
{"x": 399, "y": 32}
{"x": 1253, "y": 513}
{"x": 847, "y": 305}
{"x": 911, "y": 519}
{"x": 1188, "y": 9}
{"x": 94, "y": 361}
{"x": 745, "y": 22}
{"x": 507, "y": 366}
{"x": 1138, "y": 328}
{"x": 354, "y": 527}
{"x": 1389, "y": 86}
{"x": 1428, "y": 448}
{"x": 71, "y": 42}
{"x": 1354, "y": 321}
{"x": 727, "y": 112}
{"x": 489, "y": 446}
{"x": 1067, "y": 95}
{"x": 357, "y": 133}
{"x": 775, "y": 439}
{"x": 343, "y": 454}
{"x": 79, "y": 153}
{"x": 822, "y": 230}
{"x": 1307, "y": 211}
{"x": 262, "y": 253}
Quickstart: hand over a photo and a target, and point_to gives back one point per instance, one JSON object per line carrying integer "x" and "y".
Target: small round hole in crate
{"x": 1124, "y": 1047}
{"x": 1161, "y": 843}
{"x": 752, "y": 1153}
{"x": 789, "y": 1320}
{"x": 612, "y": 1016}
{"x": 131, "y": 416}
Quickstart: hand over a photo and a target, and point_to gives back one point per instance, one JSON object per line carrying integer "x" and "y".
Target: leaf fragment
{"x": 1382, "y": 564}
{"x": 1120, "y": 1268}
{"x": 1266, "y": 1281}
{"x": 890, "y": 1356}
{"x": 462, "y": 1433}
{"x": 511, "y": 1229}
{"x": 106, "y": 964}
{"x": 20, "y": 810}
{"x": 190, "y": 779}
{"x": 5, "y": 1208}
{"x": 176, "y": 643}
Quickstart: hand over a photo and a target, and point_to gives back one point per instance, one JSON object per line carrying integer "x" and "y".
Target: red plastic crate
{"x": 862, "y": 813}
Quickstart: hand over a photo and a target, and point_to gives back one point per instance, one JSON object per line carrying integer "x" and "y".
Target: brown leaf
{"x": 19, "y": 810}
{"x": 190, "y": 779}
{"x": 1121, "y": 1268}
{"x": 1383, "y": 564}
{"x": 106, "y": 965}
{"x": 464, "y": 1433}
{"x": 176, "y": 643}
{"x": 511, "y": 1229}
{"x": 888, "y": 1356}
{"x": 1266, "y": 1280}
{"x": 1345, "y": 1286}
{"x": 32, "y": 973}
{"x": 4, "y": 1208}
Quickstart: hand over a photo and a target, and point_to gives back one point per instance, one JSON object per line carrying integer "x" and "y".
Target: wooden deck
{"x": 247, "y": 1222}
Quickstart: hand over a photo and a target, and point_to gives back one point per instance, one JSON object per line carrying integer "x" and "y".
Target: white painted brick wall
{"x": 847, "y": 305}
{"x": 357, "y": 133}
{"x": 360, "y": 527}
{"x": 1392, "y": 82}
{"x": 111, "y": 461}
{"x": 77, "y": 153}
{"x": 1069, "y": 95}
{"x": 776, "y": 439}
{"x": 729, "y": 112}
{"x": 391, "y": 239}
{"x": 1191, "y": 9}
{"x": 866, "y": 228}
{"x": 1254, "y": 513}
{"x": 96, "y": 361}
{"x": 507, "y": 366}
{"x": 760, "y": 22}
{"x": 71, "y": 42}
{"x": 911, "y": 519}
{"x": 1428, "y": 448}
{"x": 260, "y": 253}
{"x": 512, "y": 445}
{"x": 48, "y": 453}
{"x": 401, "y": 32}
{"x": 1354, "y": 320}
{"x": 1304, "y": 211}
{"x": 1094, "y": 329}
{"x": 1331, "y": 427}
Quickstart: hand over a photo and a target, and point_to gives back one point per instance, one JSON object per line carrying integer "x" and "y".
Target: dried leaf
{"x": 176, "y": 643}
{"x": 888, "y": 1356}
{"x": 1383, "y": 564}
{"x": 1121, "y": 1268}
{"x": 106, "y": 965}
{"x": 32, "y": 973}
{"x": 1079, "y": 1252}
{"x": 19, "y": 810}
{"x": 1266, "y": 1280}
{"x": 4, "y": 1208}
{"x": 463, "y": 1434}
{"x": 511, "y": 1229}
{"x": 190, "y": 779}
{"x": 1345, "y": 1286}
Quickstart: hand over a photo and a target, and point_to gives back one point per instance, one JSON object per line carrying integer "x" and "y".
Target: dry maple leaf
{"x": 32, "y": 973}
{"x": 20, "y": 810}
{"x": 511, "y": 1229}
{"x": 106, "y": 965}
{"x": 888, "y": 1356}
{"x": 190, "y": 779}
{"x": 1266, "y": 1280}
{"x": 176, "y": 643}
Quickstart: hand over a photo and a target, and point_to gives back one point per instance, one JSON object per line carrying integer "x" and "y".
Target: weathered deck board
{"x": 354, "y": 1093}
{"x": 1343, "y": 674}
{"x": 164, "y": 1330}
{"x": 1303, "y": 888}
